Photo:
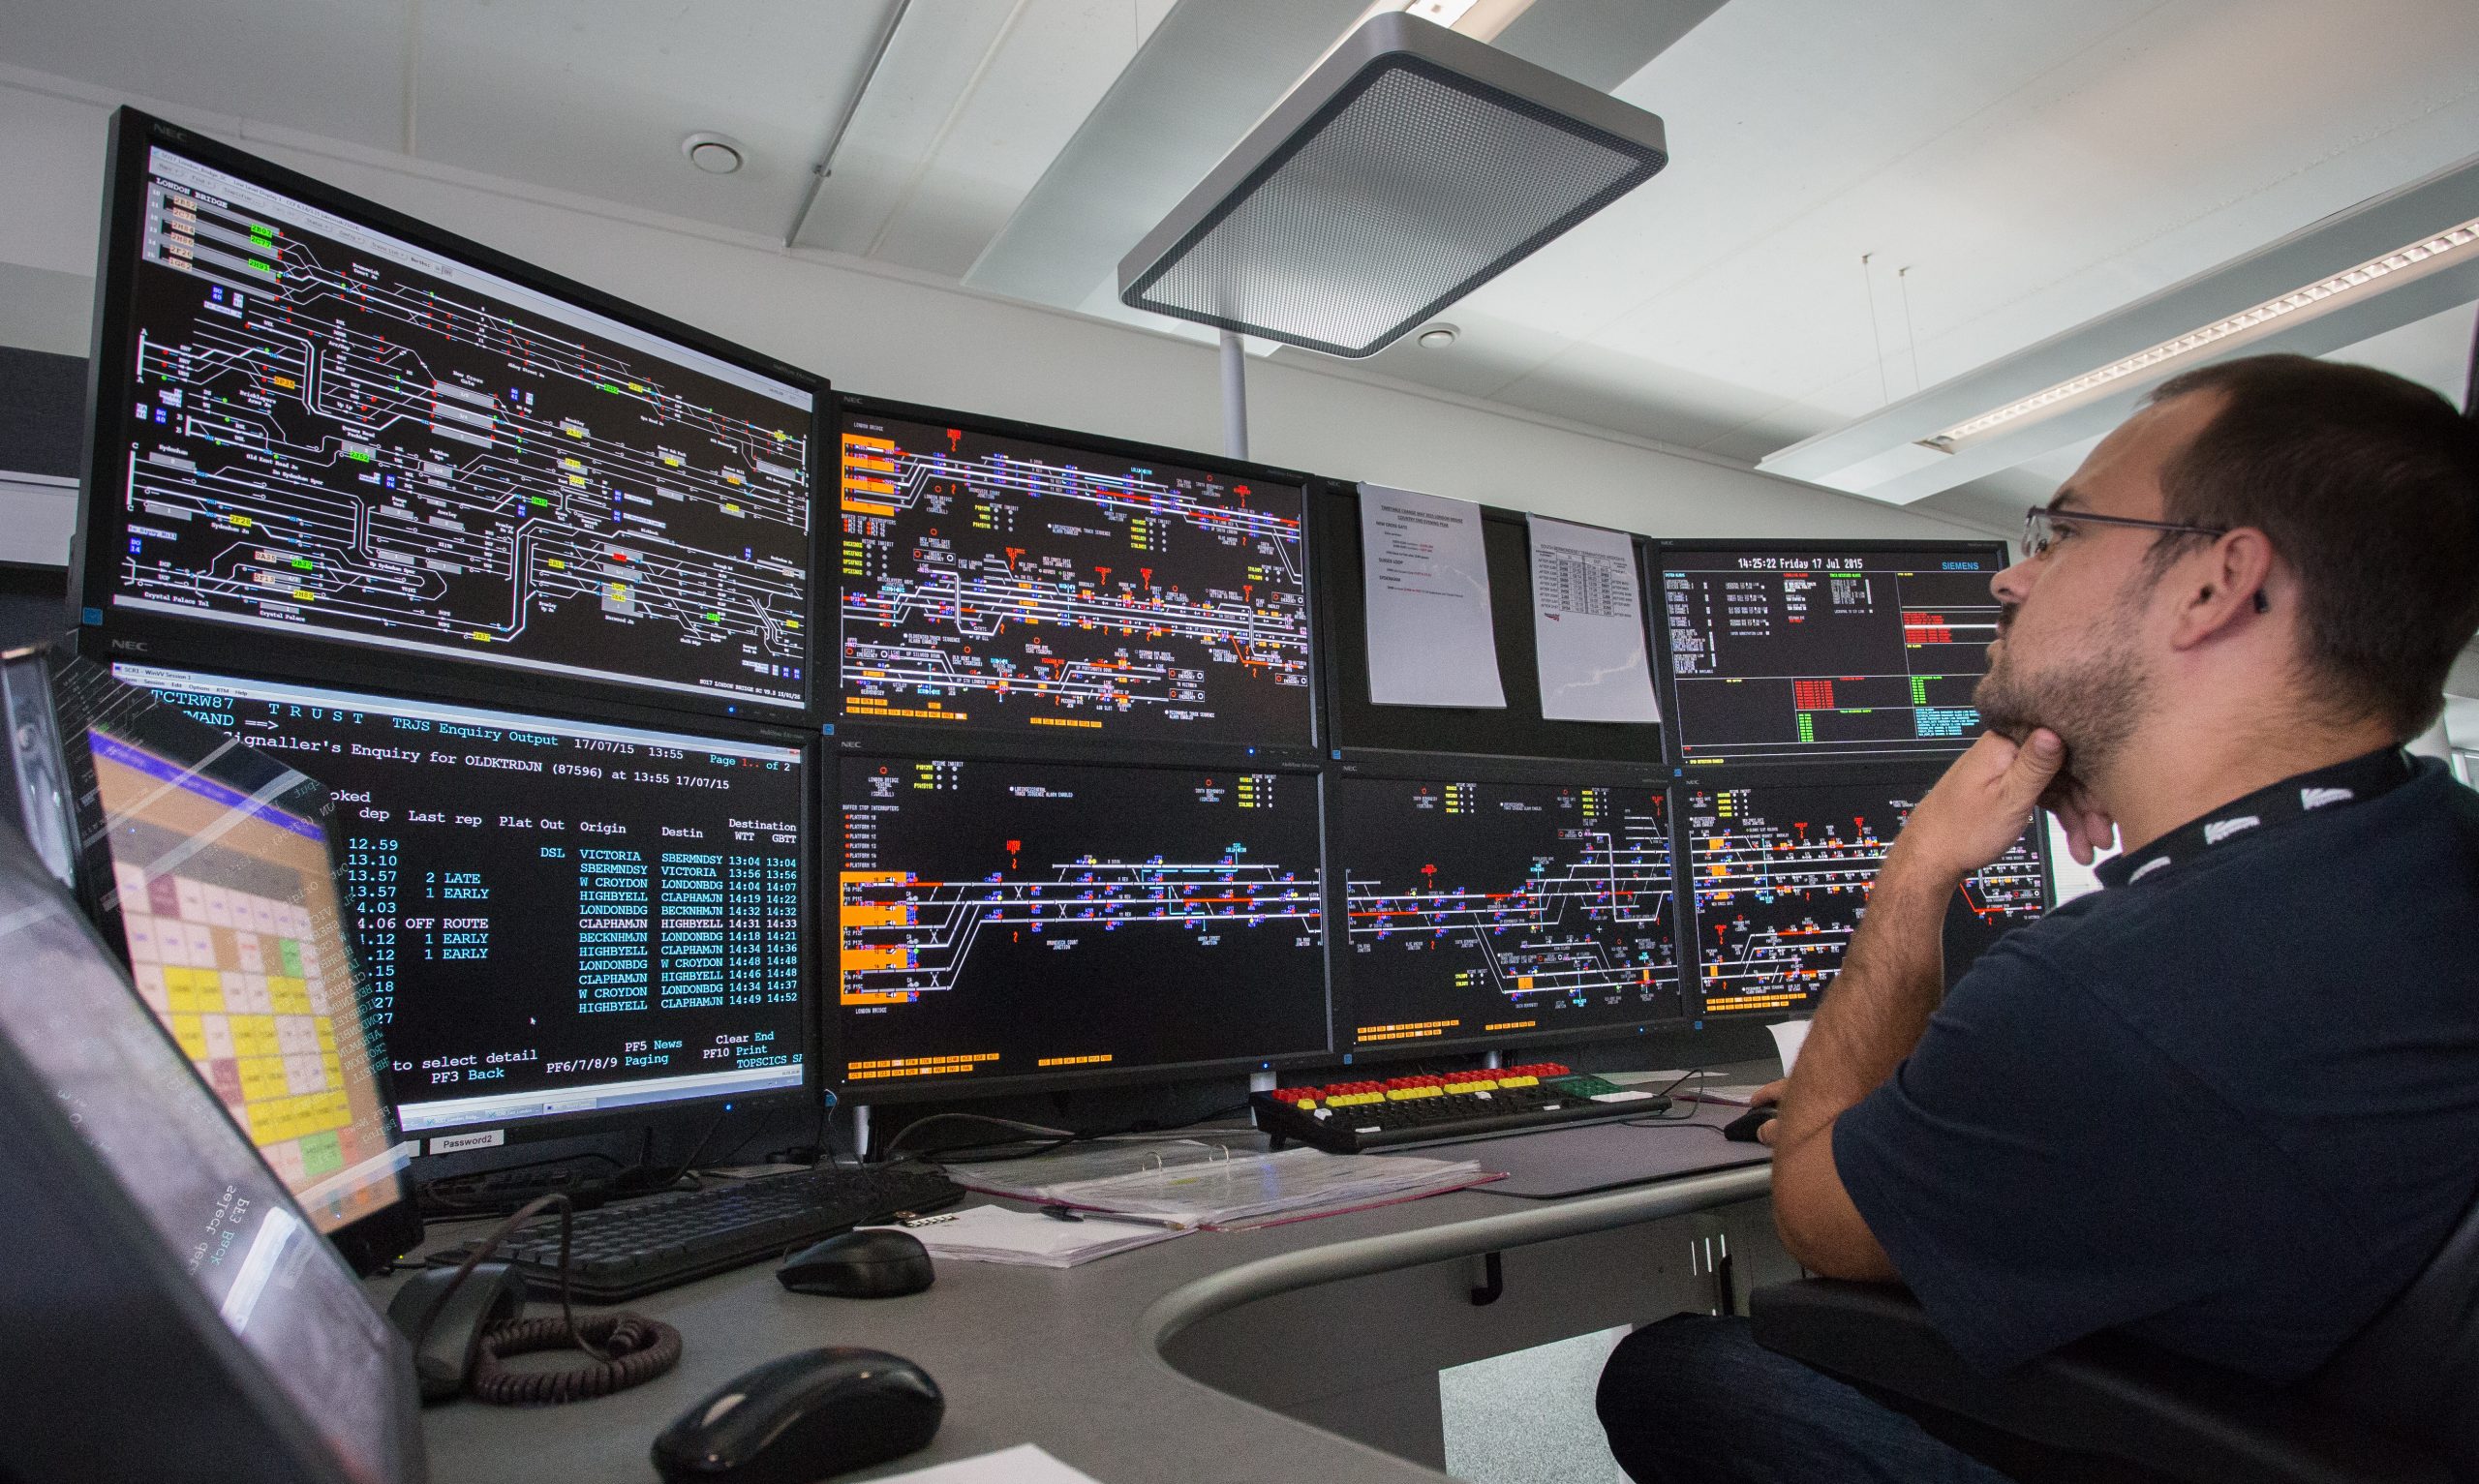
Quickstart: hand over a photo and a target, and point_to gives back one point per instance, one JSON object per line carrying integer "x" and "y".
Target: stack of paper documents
{"x": 1031, "y": 1239}
{"x": 1200, "y": 1185}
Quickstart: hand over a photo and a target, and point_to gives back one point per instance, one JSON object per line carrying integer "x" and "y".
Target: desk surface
{"x": 1072, "y": 1360}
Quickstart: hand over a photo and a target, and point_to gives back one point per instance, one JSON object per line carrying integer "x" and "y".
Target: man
{"x": 2230, "y": 1103}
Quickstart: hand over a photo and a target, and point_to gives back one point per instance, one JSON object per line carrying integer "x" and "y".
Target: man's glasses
{"x": 2041, "y": 528}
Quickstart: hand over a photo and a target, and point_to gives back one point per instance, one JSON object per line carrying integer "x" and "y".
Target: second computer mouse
{"x": 444, "y": 1357}
{"x": 1743, "y": 1128}
{"x": 804, "y": 1417}
{"x": 871, "y": 1263}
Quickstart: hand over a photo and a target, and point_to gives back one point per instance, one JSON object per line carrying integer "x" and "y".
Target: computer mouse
{"x": 1743, "y": 1128}
{"x": 444, "y": 1357}
{"x": 871, "y": 1263}
{"x": 804, "y": 1417}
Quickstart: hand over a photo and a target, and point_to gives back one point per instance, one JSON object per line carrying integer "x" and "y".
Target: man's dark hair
{"x": 2367, "y": 486}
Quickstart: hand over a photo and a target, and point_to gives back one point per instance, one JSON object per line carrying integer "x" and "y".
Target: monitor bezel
{"x": 671, "y": 1111}
{"x": 108, "y": 632}
{"x": 1482, "y": 768}
{"x": 898, "y": 734}
{"x": 1666, "y": 679}
{"x": 971, "y": 1086}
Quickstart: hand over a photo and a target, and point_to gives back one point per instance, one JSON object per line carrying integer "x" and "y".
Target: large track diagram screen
{"x": 990, "y": 582}
{"x": 1009, "y": 919}
{"x": 1500, "y": 909}
{"x": 1821, "y": 654}
{"x": 335, "y": 433}
{"x": 1781, "y": 875}
{"x": 555, "y": 917}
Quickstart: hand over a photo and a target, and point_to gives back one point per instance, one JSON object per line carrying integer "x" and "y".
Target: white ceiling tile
{"x": 333, "y": 68}
{"x": 931, "y": 63}
{"x": 1050, "y": 67}
{"x": 596, "y": 98}
{"x": 1774, "y": 107}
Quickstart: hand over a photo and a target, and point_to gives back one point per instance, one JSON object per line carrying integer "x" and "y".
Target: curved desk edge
{"x": 1308, "y": 1267}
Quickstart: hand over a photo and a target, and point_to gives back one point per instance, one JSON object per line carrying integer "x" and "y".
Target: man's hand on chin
{"x": 1977, "y": 809}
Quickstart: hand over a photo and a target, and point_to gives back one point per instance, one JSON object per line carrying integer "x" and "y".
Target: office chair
{"x": 2396, "y": 1405}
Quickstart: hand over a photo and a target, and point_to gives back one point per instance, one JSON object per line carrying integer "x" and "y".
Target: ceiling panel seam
{"x": 947, "y": 126}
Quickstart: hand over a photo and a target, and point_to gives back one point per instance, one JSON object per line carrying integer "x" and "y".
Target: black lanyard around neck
{"x": 2355, "y": 781}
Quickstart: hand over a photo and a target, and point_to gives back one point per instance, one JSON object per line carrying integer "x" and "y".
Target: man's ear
{"x": 2224, "y": 589}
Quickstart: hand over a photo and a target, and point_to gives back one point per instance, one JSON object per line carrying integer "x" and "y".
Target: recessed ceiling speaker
{"x": 1413, "y": 165}
{"x": 713, "y": 153}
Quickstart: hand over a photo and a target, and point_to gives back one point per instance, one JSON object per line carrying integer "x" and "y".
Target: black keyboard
{"x": 661, "y": 1241}
{"x": 1355, "y": 1117}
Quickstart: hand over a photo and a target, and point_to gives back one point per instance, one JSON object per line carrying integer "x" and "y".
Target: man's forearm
{"x": 1891, "y": 980}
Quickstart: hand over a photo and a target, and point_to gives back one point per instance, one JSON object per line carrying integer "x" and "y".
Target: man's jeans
{"x": 1695, "y": 1400}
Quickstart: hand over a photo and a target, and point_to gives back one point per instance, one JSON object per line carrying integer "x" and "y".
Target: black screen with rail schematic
{"x": 1002, "y": 920}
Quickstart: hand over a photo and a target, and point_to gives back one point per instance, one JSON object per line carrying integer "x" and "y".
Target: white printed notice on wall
{"x": 1428, "y": 579}
{"x": 1588, "y": 624}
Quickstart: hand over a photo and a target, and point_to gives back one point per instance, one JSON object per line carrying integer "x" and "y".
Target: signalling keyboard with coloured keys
{"x": 1355, "y": 1117}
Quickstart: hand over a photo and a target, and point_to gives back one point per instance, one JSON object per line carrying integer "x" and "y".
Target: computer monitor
{"x": 1492, "y": 913}
{"x": 1776, "y": 653}
{"x": 169, "y": 1310}
{"x": 563, "y": 920}
{"x": 1781, "y": 871}
{"x": 331, "y": 439}
{"x": 215, "y": 869}
{"x": 1019, "y": 580}
{"x": 1013, "y": 923}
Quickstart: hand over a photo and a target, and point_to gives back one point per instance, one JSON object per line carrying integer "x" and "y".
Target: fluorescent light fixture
{"x": 2156, "y": 363}
{"x": 2382, "y": 265}
{"x": 1412, "y": 167}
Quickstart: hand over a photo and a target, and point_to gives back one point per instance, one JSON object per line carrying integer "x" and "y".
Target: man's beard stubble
{"x": 2092, "y": 700}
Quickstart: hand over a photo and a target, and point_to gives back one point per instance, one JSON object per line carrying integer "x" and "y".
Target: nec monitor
{"x": 1779, "y": 872}
{"x": 1004, "y": 922}
{"x": 1487, "y": 913}
{"x": 328, "y": 436}
{"x": 1823, "y": 651}
{"x": 215, "y": 870}
{"x": 1014, "y": 580}
{"x": 561, "y": 918}
{"x": 171, "y": 1312}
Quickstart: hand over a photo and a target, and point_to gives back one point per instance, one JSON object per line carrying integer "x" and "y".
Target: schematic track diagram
{"x": 908, "y": 937}
{"x": 1481, "y": 907}
{"x": 1781, "y": 875}
{"x": 334, "y": 440}
{"x": 1003, "y": 917}
{"x": 991, "y": 582}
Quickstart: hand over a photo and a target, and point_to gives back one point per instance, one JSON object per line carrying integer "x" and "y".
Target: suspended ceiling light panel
{"x": 1411, "y": 167}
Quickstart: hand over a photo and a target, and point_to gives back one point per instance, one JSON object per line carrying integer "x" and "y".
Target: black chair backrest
{"x": 2414, "y": 1370}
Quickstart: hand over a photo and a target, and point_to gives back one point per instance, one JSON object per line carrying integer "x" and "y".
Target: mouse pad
{"x": 1603, "y": 1156}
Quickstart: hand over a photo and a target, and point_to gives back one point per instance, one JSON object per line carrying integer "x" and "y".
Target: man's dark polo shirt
{"x": 2231, "y": 1105}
